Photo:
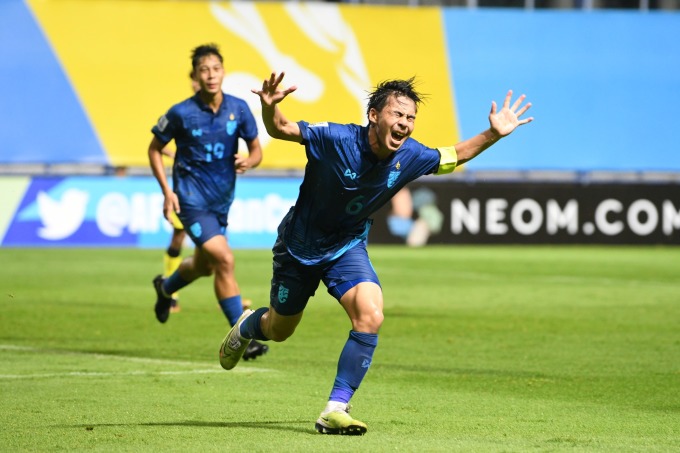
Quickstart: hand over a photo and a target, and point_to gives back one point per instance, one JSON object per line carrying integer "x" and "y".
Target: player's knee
{"x": 226, "y": 263}
{"x": 369, "y": 322}
{"x": 376, "y": 321}
{"x": 205, "y": 270}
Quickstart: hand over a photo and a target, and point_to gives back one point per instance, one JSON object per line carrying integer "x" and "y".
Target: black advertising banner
{"x": 461, "y": 212}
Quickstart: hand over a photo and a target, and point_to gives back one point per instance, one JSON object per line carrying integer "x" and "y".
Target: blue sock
{"x": 355, "y": 359}
{"x": 174, "y": 283}
{"x": 232, "y": 308}
{"x": 251, "y": 326}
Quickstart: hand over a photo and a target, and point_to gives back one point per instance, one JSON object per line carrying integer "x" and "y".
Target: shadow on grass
{"x": 287, "y": 425}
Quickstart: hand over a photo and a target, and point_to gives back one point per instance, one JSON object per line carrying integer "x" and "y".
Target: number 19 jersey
{"x": 203, "y": 173}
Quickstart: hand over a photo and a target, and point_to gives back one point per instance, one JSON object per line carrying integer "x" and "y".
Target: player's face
{"x": 394, "y": 123}
{"x": 209, "y": 74}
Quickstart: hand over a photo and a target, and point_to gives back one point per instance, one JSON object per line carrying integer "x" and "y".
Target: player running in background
{"x": 206, "y": 128}
{"x": 351, "y": 172}
{"x": 172, "y": 256}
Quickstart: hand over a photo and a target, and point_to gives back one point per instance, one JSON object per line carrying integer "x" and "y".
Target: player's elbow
{"x": 284, "y": 131}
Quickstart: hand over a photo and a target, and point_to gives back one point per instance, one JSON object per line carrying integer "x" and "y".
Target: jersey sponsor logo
{"x": 162, "y": 123}
{"x": 392, "y": 178}
{"x": 231, "y": 126}
{"x": 350, "y": 174}
{"x": 196, "y": 132}
{"x": 283, "y": 294}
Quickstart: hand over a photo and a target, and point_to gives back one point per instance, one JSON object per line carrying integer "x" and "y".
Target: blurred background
{"x": 83, "y": 81}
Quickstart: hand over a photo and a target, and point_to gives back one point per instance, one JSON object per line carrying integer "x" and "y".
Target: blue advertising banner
{"x": 128, "y": 212}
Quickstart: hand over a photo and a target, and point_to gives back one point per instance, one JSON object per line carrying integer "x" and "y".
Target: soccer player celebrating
{"x": 351, "y": 172}
{"x": 206, "y": 128}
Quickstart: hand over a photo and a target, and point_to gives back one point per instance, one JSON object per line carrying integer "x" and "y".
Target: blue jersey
{"x": 344, "y": 184}
{"x": 204, "y": 175}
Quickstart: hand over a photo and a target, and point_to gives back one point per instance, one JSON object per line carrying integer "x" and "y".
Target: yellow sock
{"x": 170, "y": 264}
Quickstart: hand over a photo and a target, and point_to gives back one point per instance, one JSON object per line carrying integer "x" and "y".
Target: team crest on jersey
{"x": 394, "y": 175}
{"x": 392, "y": 178}
{"x": 196, "y": 230}
{"x": 231, "y": 124}
{"x": 283, "y": 294}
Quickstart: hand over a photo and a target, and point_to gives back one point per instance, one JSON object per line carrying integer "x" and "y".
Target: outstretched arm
{"x": 502, "y": 123}
{"x": 276, "y": 124}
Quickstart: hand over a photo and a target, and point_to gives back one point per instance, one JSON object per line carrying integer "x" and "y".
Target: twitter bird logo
{"x": 61, "y": 218}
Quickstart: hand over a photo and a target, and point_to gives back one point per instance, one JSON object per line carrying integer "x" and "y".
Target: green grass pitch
{"x": 483, "y": 349}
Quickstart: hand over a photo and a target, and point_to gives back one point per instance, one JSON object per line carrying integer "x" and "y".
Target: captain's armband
{"x": 448, "y": 160}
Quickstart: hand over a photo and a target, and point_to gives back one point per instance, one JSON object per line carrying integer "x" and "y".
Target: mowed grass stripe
{"x": 484, "y": 349}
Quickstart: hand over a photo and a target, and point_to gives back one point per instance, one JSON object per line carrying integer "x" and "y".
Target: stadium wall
{"x": 127, "y": 211}
{"x": 533, "y": 212}
{"x": 83, "y": 81}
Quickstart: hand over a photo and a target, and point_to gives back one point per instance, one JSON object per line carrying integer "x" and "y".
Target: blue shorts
{"x": 293, "y": 283}
{"x": 202, "y": 225}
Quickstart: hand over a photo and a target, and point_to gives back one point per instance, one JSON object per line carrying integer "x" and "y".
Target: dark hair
{"x": 378, "y": 97}
{"x": 203, "y": 51}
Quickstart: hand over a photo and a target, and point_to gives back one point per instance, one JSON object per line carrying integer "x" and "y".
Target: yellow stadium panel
{"x": 129, "y": 62}
{"x": 404, "y": 42}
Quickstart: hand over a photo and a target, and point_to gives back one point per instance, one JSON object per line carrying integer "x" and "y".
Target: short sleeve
{"x": 166, "y": 126}
{"x": 248, "y": 126}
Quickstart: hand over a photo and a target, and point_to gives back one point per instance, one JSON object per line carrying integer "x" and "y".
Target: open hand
{"x": 270, "y": 93}
{"x": 506, "y": 120}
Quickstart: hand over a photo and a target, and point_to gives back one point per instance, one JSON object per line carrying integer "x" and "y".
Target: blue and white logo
{"x": 392, "y": 178}
{"x": 196, "y": 229}
{"x": 61, "y": 218}
{"x": 231, "y": 127}
{"x": 196, "y": 132}
{"x": 350, "y": 174}
{"x": 283, "y": 294}
{"x": 366, "y": 363}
